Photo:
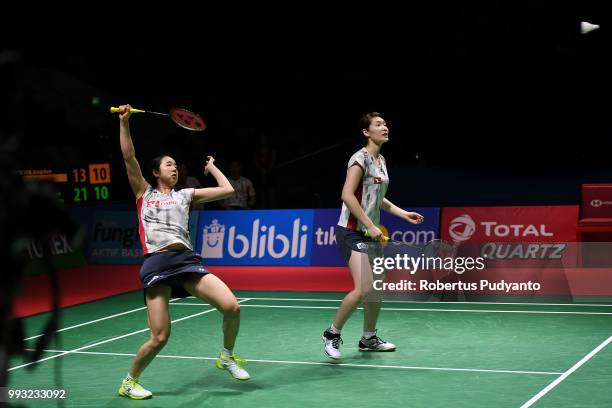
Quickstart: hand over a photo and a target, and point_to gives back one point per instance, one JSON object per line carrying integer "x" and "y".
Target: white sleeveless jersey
{"x": 164, "y": 218}
{"x": 370, "y": 191}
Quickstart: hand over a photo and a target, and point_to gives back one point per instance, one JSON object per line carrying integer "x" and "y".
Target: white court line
{"x": 566, "y": 374}
{"x": 416, "y": 310}
{"x": 417, "y": 302}
{"x": 325, "y": 364}
{"x": 111, "y": 339}
{"x": 322, "y": 300}
{"x": 96, "y": 321}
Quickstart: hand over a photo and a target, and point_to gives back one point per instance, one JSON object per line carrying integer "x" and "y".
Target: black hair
{"x": 156, "y": 162}
{"x": 366, "y": 121}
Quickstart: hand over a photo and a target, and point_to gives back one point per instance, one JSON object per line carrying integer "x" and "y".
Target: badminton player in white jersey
{"x": 171, "y": 267}
{"x": 363, "y": 196}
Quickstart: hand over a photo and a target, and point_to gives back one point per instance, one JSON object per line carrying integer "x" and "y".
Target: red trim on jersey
{"x": 141, "y": 231}
{"x": 358, "y": 164}
{"x": 352, "y": 220}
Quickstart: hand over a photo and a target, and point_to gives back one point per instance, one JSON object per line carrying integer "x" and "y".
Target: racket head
{"x": 437, "y": 248}
{"x": 187, "y": 119}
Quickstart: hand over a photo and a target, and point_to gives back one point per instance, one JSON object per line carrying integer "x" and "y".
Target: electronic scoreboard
{"x": 89, "y": 183}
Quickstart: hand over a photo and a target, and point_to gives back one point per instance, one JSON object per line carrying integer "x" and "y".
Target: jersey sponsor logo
{"x": 159, "y": 203}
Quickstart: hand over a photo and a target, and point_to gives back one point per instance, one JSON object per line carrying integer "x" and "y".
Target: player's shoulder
{"x": 360, "y": 154}
{"x": 185, "y": 193}
{"x": 149, "y": 189}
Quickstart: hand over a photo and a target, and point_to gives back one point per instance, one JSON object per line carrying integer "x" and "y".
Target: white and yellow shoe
{"x": 133, "y": 389}
{"x": 233, "y": 364}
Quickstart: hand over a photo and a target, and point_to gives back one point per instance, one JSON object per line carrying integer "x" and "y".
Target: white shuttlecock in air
{"x": 586, "y": 27}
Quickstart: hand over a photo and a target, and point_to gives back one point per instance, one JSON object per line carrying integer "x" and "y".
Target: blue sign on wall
{"x": 325, "y": 251}
{"x": 113, "y": 237}
{"x": 276, "y": 237}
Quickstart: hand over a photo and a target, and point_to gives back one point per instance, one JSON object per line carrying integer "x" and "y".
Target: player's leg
{"x": 157, "y": 298}
{"x": 359, "y": 267}
{"x": 371, "y": 309}
{"x": 331, "y": 336}
{"x": 213, "y": 290}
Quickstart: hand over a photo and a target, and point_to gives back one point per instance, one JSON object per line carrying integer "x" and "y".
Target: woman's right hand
{"x": 125, "y": 111}
{"x": 375, "y": 233}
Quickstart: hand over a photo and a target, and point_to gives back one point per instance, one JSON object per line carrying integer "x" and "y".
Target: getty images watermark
{"x": 446, "y": 265}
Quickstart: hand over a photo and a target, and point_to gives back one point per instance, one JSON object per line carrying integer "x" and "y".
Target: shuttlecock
{"x": 586, "y": 27}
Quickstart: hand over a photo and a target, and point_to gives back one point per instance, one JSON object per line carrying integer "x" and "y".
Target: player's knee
{"x": 357, "y": 292}
{"x": 232, "y": 309}
{"x": 160, "y": 339}
{"x": 367, "y": 291}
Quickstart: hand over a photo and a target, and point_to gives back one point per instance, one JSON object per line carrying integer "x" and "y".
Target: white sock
{"x": 228, "y": 352}
{"x": 367, "y": 335}
{"x": 333, "y": 329}
{"x": 128, "y": 377}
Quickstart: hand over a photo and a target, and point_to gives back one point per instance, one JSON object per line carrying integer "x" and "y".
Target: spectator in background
{"x": 244, "y": 197}
{"x": 265, "y": 161}
{"x": 185, "y": 180}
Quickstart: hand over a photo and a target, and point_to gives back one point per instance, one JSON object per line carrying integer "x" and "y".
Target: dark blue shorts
{"x": 170, "y": 268}
{"x": 349, "y": 240}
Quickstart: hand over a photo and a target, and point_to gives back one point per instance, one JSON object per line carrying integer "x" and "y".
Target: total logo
{"x": 261, "y": 241}
{"x": 598, "y": 203}
{"x": 463, "y": 227}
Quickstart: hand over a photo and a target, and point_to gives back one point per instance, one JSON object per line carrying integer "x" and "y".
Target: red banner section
{"x": 510, "y": 224}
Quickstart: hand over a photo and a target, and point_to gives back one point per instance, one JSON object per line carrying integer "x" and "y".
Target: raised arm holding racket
{"x": 171, "y": 267}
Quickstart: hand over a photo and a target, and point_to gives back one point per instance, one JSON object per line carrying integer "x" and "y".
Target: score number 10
{"x": 94, "y": 174}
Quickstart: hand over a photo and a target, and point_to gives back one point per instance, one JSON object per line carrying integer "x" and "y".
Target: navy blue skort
{"x": 171, "y": 268}
{"x": 349, "y": 240}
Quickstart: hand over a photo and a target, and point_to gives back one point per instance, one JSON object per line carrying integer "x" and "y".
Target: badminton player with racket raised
{"x": 171, "y": 267}
{"x": 363, "y": 196}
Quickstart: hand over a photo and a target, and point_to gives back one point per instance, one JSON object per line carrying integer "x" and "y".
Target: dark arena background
{"x": 499, "y": 121}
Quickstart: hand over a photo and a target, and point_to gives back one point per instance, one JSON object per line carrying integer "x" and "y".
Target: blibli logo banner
{"x": 280, "y": 237}
{"x": 324, "y": 248}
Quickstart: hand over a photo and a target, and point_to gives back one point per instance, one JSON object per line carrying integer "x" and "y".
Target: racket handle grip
{"x": 116, "y": 110}
{"x": 383, "y": 238}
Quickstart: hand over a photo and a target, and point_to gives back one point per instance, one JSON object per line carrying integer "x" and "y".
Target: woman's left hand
{"x": 413, "y": 217}
{"x": 210, "y": 162}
